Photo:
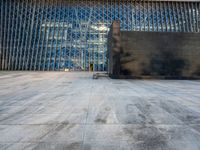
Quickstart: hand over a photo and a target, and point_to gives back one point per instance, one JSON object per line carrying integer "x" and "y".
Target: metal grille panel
{"x": 58, "y": 34}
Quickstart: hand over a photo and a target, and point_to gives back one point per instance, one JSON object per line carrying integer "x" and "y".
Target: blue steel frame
{"x": 47, "y": 35}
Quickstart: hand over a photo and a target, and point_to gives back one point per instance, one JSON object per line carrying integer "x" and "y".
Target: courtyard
{"x": 72, "y": 111}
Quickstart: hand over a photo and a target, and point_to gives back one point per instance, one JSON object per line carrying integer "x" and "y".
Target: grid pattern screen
{"x": 45, "y": 35}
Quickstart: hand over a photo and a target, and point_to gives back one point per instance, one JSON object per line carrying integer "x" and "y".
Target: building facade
{"x": 54, "y": 35}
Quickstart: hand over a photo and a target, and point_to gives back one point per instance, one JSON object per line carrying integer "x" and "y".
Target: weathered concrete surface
{"x": 160, "y": 54}
{"x": 114, "y": 48}
{"x": 153, "y": 54}
{"x": 72, "y": 111}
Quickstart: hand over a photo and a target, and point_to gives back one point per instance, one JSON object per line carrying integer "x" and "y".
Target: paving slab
{"x": 73, "y": 111}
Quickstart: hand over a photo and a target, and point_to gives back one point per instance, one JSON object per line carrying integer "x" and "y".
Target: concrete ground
{"x": 71, "y": 111}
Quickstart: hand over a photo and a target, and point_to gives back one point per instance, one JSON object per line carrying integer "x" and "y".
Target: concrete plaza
{"x": 72, "y": 111}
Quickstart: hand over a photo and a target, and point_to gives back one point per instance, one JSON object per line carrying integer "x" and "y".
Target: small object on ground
{"x": 97, "y": 75}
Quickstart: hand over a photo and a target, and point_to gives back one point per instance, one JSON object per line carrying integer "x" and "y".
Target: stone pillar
{"x": 1, "y": 60}
{"x": 114, "y": 49}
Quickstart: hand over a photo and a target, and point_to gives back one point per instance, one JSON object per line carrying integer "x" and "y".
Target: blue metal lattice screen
{"x": 60, "y": 34}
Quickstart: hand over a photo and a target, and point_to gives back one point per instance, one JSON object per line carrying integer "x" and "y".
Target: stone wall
{"x": 156, "y": 55}
{"x": 114, "y": 47}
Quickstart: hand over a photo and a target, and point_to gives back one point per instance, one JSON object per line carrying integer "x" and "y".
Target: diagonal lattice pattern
{"x": 58, "y": 34}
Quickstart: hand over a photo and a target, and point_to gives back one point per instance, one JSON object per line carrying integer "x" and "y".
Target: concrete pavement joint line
{"x": 84, "y": 132}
